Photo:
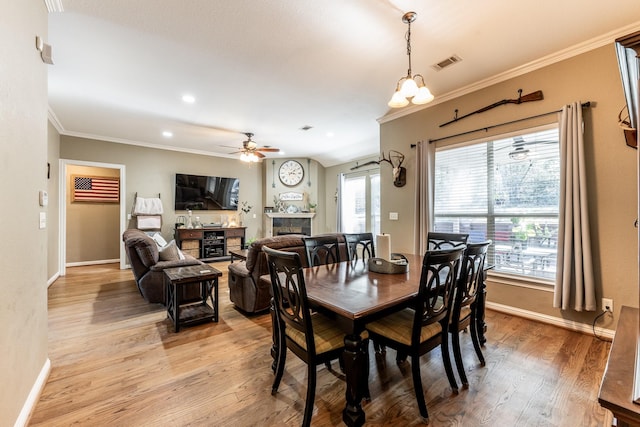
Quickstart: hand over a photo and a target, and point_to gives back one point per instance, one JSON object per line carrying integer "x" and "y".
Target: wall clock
{"x": 291, "y": 173}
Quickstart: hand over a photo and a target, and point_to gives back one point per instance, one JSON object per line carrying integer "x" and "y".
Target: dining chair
{"x": 417, "y": 330}
{"x": 359, "y": 244}
{"x": 465, "y": 310}
{"x": 313, "y": 337}
{"x": 438, "y": 240}
{"x": 321, "y": 250}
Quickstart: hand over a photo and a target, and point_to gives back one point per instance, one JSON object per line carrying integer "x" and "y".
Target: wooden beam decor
{"x": 534, "y": 96}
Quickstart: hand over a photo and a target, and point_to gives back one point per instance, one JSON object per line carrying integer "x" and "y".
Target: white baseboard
{"x": 34, "y": 395}
{"x": 53, "y": 279}
{"x": 551, "y": 320}
{"x": 80, "y": 264}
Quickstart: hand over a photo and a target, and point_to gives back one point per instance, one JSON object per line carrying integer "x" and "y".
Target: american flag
{"x": 96, "y": 189}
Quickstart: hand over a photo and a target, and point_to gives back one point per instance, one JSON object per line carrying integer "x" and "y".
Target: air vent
{"x": 446, "y": 62}
{"x": 306, "y": 127}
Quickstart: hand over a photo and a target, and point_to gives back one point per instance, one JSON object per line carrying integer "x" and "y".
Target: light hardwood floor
{"x": 116, "y": 361}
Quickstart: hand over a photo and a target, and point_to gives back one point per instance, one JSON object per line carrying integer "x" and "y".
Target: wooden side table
{"x": 239, "y": 253}
{"x": 200, "y": 311}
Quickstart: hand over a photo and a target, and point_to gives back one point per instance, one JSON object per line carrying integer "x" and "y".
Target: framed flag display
{"x": 96, "y": 189}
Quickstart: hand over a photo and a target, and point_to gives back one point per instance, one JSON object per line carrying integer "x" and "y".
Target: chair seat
{"x": 398, "y": 327}
{"x": 327, "y": 335}
{"x": 465, "y": 312}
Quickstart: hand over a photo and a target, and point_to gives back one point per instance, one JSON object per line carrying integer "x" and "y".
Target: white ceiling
{"x": 273, "y": 66}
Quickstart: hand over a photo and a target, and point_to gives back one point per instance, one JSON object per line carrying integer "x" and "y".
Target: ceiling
{"x": 274, "y": 67}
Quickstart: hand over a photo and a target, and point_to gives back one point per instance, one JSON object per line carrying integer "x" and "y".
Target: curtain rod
{"x": 486, "y": 129}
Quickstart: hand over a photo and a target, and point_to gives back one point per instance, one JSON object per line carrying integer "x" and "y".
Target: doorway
{"x": 85, "y": 232}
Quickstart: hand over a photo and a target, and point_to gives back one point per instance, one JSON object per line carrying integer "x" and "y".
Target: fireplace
{"x": 278, "y": 224}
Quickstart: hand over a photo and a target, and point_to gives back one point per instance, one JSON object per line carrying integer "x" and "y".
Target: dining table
{"x": 353, "y": 296}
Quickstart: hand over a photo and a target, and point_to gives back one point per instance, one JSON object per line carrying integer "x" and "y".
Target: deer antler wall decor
{"x": 399, "y": 172}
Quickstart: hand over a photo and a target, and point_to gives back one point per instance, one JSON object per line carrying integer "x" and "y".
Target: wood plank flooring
{"x": 116, "y": 361}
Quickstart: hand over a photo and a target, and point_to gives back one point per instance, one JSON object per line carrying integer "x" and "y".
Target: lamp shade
{"x": 423, "y": 96}
{"x": 409, "y": 88}
{"x": 397, "y": 100}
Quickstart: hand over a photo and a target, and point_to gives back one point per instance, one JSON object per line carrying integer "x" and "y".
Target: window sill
{"x": 521, "y": 281}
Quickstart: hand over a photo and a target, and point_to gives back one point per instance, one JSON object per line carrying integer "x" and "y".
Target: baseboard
{"x": 82, "y": 263}
{"x": 53, "y": 279}
{"x": 34, "y": 395}
{"x": 551, "y": 320}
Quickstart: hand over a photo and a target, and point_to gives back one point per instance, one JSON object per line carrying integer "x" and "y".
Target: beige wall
{"x": 53, "y": 184}
{"x": 591, "y": 76}
{"x": 93, "y": 229}
{"x": 313, "y": 185}
{"x": 151, "y": 171}
{"x": 23, "y": 166}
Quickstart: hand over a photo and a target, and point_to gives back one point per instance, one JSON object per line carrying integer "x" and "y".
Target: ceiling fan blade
{"x": 268, "y": 149}
{"x": 259, "y": 154}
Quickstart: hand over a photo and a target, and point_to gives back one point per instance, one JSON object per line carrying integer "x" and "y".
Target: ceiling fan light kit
{"x": 411, "y": 86}
{"x": 250, "y": 151}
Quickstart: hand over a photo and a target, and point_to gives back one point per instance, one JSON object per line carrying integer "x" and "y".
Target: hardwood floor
{"x": 116, "y": 361}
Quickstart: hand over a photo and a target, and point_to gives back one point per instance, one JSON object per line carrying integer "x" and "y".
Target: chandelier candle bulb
{"x": 383, "y": 246}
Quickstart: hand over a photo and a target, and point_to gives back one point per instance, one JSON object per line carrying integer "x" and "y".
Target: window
{"x": 506, "y": 190}
{"x": 361, "y": 203}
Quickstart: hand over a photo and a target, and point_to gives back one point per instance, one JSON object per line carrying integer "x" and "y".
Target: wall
{"x": 313, "y": 184}
{"x": 93, "y": 229}
{"x": 23, "y": 164}
{"x": 53, "y": 218}
{"x": 151, "y": 171}
{"x": 592, "y": 76}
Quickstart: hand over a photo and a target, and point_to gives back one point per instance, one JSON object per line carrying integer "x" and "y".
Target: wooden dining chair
{"x": 464, "y": 312}
{"x": 314, "y": 338}
{"x": 438, "y": 240}
{"x": 359, "y": 244}
{"x": 417, "y": 330}
{"x": 321, "y": 250}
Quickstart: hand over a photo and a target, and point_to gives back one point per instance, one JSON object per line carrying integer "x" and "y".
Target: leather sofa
{"x": 246, "y": 290}
{"x": 148, "y": 268}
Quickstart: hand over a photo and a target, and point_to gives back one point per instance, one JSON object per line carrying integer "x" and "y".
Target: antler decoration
{"x": 399, "y": 172}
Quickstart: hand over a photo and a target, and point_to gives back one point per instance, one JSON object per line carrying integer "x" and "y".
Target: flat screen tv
{"x": 206, "y": 193}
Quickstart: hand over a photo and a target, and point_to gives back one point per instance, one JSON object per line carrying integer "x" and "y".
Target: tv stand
{"x": 210, "y": 243}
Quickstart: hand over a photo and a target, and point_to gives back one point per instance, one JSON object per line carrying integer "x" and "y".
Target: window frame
{"x": 509, "y": 278}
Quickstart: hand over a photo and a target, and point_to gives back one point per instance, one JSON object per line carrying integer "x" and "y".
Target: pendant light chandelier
{"x": 411, "y": 86}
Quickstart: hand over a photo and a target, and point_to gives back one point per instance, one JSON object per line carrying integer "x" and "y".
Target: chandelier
{"x": 411, "y": 86}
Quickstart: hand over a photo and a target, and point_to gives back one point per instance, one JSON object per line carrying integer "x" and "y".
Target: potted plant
{"x": 312, "y": 207}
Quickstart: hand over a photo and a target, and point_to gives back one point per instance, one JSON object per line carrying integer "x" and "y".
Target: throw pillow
{"x": 170, "y": 252}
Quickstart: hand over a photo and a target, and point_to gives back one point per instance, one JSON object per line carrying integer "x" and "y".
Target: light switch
{"x": 393, "y": 216}
{"x": 43, "y": 220}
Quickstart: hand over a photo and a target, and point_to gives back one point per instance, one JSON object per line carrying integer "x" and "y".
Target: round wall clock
{"x": 291, "y": 173}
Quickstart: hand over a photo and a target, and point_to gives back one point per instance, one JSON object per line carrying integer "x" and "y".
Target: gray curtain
{"x": 339, "y": 203}
{"x": 574, "y": 288}
{"x": 424, "y": 187}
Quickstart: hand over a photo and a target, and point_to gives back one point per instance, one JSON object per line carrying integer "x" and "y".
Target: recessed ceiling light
{"x": 281, "y": 152}
{"x": 167, "y": 134}
{"x": 330, "y": 134}
{"x": 189, "y": 99}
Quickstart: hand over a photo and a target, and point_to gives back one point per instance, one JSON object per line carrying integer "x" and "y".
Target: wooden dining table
{"x": 354, "y": 296}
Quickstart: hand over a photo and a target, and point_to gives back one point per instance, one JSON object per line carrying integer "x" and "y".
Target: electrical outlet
{"x": 607, "y": 305}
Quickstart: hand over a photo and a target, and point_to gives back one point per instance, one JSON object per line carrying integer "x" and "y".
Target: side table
{"x": 200, "y": 311}
{"x": 239, "y": 253}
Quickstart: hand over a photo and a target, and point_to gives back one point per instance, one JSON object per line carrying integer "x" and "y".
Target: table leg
{"x": 215, "y": 304}
{"x": 354, "y": 360}
{"x": 176, "y": 308}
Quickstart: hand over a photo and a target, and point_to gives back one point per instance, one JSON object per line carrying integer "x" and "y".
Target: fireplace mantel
{"x": 288, "y": 223}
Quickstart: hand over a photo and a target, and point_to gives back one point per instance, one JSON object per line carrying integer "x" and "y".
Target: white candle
{"x": 383, "y": 246}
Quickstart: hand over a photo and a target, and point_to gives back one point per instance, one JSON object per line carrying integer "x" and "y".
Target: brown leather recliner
{"x": 246, "y": 290}
{"x": 148, "y": 270}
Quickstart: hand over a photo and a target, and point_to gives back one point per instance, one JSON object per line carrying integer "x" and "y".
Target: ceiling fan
{"x": 250, "y": 151}
{"x": 519, "y": 150}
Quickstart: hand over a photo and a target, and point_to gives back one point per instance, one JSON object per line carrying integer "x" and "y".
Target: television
{"x": 206, "y": 193}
